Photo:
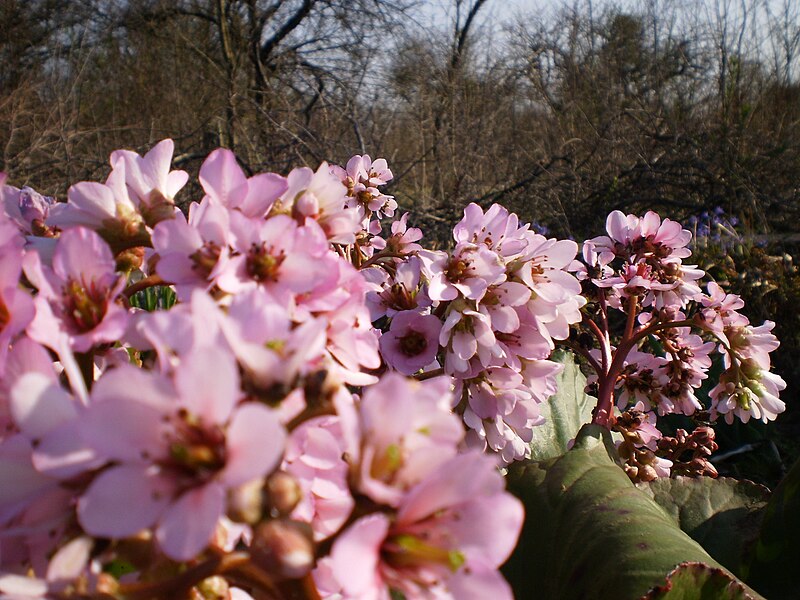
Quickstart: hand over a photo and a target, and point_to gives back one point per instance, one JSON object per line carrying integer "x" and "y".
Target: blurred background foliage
{"x": 562, "y": 111}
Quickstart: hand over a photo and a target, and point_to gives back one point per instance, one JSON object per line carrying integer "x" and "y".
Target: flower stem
{"x": 143, "y": 284}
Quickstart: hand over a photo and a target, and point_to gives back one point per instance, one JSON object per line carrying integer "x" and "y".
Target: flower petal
{"x": 208, "y": 384}
{"x": 187, "y": 526}
{"x": 123, "y": 500}
{"x": 256, "y": 441}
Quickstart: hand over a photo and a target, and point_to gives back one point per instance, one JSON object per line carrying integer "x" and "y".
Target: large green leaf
{"x": 696, "y": 581}
{"x": 775, "y": 569}
{"x": 590, "y": 534}
{"x": 565, "y": 412}
{"x": 723, "y": 515}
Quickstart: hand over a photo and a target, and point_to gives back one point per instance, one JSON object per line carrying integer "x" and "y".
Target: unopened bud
{"x": 632, "y": 472}
{"x": 245, "y": 502}
{"x": 704, "y": 435}
{"x": 130, "y": 259}
{"x": 212, "y": 588}
{"x": 283, "y": 493}
{"x": 284, "y": 547}
{"x": 107, "y": 584}
{"x": 647, "y": 473}
{"x": 33, "y": 206}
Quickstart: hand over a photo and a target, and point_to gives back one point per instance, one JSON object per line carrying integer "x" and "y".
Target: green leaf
{"x": 565, "y": 412}
{"x": 722, "y": 515}
{"x": 775, "y": 566}
{"x": 590, "y": 534}
{"x": 696, "y": 581}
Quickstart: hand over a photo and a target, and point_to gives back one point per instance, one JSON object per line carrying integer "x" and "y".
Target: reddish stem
{"x": 605, "y": 404}
{"x": 143, "y": 284}
{"x": 379, "y": 256}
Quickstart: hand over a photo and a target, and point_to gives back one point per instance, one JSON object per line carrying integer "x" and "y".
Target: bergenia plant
{"x": 313, "y": 408}
{"x": 650, "y": 334}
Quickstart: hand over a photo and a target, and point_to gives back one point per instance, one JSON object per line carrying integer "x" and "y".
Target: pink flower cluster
{"x": 486, "y": 313}
{"x": 268, "y": 393}
{"x": 221, "y": 433}
{"x": 672, "y": 328}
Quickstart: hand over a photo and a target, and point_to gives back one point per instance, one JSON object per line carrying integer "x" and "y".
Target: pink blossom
{"x": 77, "y": 295}
{"x": 469, "y": 270}
{"x": 681, "y": 280}
{"x": 747, "y": 388}
{"x": 501, "y": 412}
{"x": 285, "y": 258}
{"x": 641, "y": 380}
{"x": 412, "y": 341}
{"x": 748, "y": 391}
{"x": 637, "y": 280}
{"x": 361, "y": 177}
{"x": 502, "y": 302}
{"x": 49, "y": 417}
{"x": 398, "y": 452}
{"x": 403, "y": 239}
{"x": 497, "y": 229}
{"x": 176, "y": 448}
{"x": 151, "y": 185}
{"x": 28, "y": 209}
{"x": 46, "y": 451}
{"x": 352, "y": 342}
{"x": 319, "y": 196}
{"x": 68, "y": 563}
{"x": 451, "y": 533}
{"x": 193, "y": 253}
{"x": 668, "y": 236}
{"x": 540, "y": 377}
{"x": 270, "y": 347}
{"x": 106, "y": 208}
{"x": 754, "y": 343}
{"x": 688, "y": 361}
{"x": 172, "y": 334}
{"x": 555, "y": 300}
{"x": 466, "y": 333}
{"x": 225, "y": 182}
{"x": 526, "y": 341}
{"x": 404, "y": 290}
{"x": 720, "y": 310}
{"x": 592, "y": 265}
{"x": 314, "y": 457}
{"x": 633, "y": 238}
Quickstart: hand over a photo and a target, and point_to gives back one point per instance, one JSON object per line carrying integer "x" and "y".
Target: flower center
{"x": 205, "y": 258}
{"x": 404, "y": 550}
{"x": 195, "y": 451}
{"x": 398, "y": 297}
{"x": 85, "y": 306}
{"x": 413, "y": 343}
{"x": 457, "y": 269}
{"x": 263, "y": 266}
{"x": 386, "y": 464}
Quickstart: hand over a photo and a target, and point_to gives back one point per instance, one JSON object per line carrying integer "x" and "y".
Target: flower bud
{"x": 212, "y": 588}
{"x": 107, "y": 584}
{"x": 284, "y": 547}
{"x": 33, "y": 206}
{"x": 647, "y": 473}
{"x": 130, "y": 259}
{"x": 245, "y": 502}
{"x": 283, "y": 493}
